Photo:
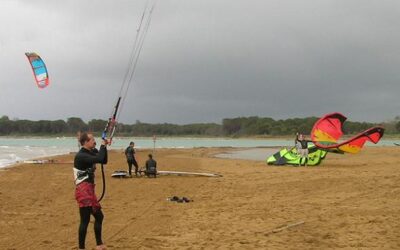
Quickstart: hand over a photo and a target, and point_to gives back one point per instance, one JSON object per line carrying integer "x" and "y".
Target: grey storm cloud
{"x": 203, "y": 61}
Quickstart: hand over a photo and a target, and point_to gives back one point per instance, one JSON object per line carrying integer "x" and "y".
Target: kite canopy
{"x": 39, "y": 69}
{"x": 291, "y": 157}
{"x": 328, "y": 130}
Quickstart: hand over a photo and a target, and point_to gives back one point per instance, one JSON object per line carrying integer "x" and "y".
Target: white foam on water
{"x": 7, "y": 159}
{"x": 5, "y": 163}
{"x": 10, "y": 155}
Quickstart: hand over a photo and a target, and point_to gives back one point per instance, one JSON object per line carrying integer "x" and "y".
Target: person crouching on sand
{"x": 84, "y": 168}
{"x": 151, "y": 167}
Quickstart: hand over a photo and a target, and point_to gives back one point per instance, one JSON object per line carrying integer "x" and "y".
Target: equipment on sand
{"x": 123, "y": 173}
{"x": 291, "y": 157}
{"x": 328, "y": 130}
{"x": 49, "y": 161}
{"x": 325, "y": 136}
{"x": 179, "y": 200}
{"x": 120, "y": 174}
{"x": 179, "y": 173}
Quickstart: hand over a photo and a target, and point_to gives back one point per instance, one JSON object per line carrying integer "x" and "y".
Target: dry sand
{"x": 350, "y": 201}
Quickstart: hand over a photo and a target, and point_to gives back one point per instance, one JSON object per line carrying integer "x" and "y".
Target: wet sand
{"x": 350, "y": 201}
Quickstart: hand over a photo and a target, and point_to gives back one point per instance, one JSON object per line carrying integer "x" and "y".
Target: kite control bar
{"x": 111, "y": 124}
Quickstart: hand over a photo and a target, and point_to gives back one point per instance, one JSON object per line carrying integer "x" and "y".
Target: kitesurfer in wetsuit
{"x": 130, "y": 158}
{"x": 303, "y": 148}
{"x": 151, "y": 167}
{"x": 84, "y": 168}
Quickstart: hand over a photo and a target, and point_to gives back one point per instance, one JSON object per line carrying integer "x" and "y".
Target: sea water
{"x": 13, "y": 150}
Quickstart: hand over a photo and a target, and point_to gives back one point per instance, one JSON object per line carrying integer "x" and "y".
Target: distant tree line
{"x": 230, "y": 127}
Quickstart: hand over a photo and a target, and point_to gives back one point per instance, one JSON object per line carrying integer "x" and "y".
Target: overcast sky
{"x": 203, "y": 60}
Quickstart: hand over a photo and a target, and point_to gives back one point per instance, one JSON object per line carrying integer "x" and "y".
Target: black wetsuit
{"x": 130, "y": 158}
{"x": 84, "y": 161}
{"x": 151, "y": 168}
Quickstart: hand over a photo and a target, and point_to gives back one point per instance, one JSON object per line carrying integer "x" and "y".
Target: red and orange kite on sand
{"x": 325, "y": 135}
{"x": 328, "y": 130}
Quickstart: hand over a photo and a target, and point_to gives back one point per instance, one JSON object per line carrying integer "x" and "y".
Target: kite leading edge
{"x": 39, "y": 69}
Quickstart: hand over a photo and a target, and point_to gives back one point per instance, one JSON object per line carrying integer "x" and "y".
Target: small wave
{"x": 6, "y": 162}
{"x": 9, "y": 159}
{"x": 14, "y": 157}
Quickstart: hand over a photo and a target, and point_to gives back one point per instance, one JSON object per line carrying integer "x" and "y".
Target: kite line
{"x": 140, "y": 37}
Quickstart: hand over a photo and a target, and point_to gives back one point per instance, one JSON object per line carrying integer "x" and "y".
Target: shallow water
{"x": 257, "y": 154}
{"x": 13, "y": 150}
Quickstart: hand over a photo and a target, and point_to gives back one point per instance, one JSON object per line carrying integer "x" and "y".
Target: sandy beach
{"x": 350, "y": 202}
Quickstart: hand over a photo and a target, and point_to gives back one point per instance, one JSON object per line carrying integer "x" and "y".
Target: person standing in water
{"x": 84, "y": 168}
{"x": 130, "y": 158}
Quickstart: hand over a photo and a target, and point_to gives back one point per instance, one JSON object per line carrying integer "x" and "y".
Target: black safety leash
{"x": 108, "y": 133}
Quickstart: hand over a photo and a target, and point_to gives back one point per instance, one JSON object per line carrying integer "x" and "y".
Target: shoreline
{"x": 224, "y": 155}
{"x": 259, "y": 153}
{"x": 13, "y": 150}
{"x": 254, "y": 137}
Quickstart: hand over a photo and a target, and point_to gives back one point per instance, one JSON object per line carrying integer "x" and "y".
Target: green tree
{"x": 58, "y": 126}
{"x": 5, "y": 125}
{"x": 97, "y": 125}
{"x": 76, "y": 124}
